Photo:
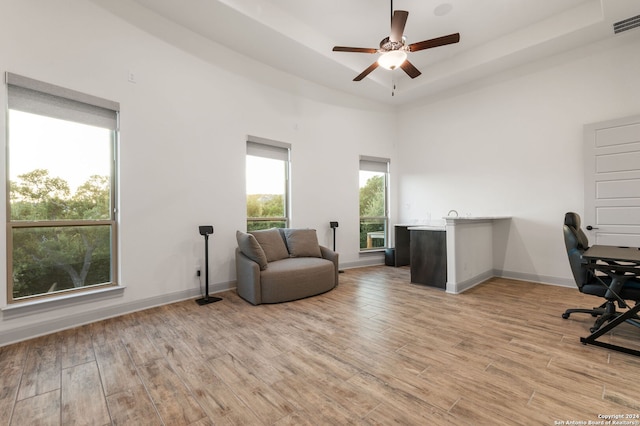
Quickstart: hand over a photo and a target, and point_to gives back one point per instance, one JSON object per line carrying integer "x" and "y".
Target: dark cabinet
{"x": 402, "y": 237}
{"x": 428, "y": 250}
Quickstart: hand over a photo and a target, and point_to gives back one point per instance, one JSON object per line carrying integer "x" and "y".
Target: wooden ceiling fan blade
{"x": 366, "y": 72}
{"x": 354, "y": 49}
{"x": 398, "y": 21}
{"x": 435, "y": 42}
{"x": 410, "y": 69}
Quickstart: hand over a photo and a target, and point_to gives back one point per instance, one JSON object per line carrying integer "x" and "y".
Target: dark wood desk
{"x": 622, "y": 254}
{"x": 630, "y": 268}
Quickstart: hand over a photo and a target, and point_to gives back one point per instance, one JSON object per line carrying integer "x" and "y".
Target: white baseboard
{"x": 542, "y": 279}
{"x": 519, "y": 276}
{"x": 471, "y": 282}
{"x": 371, "y": 258}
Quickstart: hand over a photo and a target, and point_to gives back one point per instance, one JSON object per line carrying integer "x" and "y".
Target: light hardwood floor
{"x": 375, "y": 350}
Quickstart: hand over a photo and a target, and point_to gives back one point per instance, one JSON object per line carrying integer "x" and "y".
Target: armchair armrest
{"x": 331, "y": 255}
{"x": 248, "y": 278}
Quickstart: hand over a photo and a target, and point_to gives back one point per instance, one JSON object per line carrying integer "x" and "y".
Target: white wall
{"x": 513, "y": 146}
{"x": 182, "y": 150}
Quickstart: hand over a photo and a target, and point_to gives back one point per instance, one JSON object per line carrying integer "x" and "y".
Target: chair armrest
{"x": 248, "y": 279}
{"x": 331, "y": 255}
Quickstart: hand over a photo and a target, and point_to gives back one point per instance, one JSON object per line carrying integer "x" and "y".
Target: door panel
{"x": 612, "y": 216}
{"x": 616, "y": 133}
{"x": 621, "y": 240}
{"x": 617, "y": 162}
{"x": 612, "y": 182}
{"x": 623, "y": 188}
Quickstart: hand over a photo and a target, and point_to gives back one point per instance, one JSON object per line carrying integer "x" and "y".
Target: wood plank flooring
{"x": 375, "y": 350}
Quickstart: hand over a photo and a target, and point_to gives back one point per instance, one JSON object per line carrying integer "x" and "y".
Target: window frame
{"x": 267, "y": 148}
{"x": 382, "y": 165}
{"x": 76, "y": 107}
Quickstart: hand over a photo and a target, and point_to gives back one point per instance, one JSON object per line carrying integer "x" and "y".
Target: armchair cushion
{"x": 272, "y": 244}
{"x": 249, "y": 246}
{"x": 302, "y": 242}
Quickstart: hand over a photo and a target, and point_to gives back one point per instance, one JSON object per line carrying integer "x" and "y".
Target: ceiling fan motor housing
{"x": 387, "y": 45}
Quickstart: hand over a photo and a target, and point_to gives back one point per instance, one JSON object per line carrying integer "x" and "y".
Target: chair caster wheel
{"x": 593, "y": 329}
{"x": 565, "y": 315}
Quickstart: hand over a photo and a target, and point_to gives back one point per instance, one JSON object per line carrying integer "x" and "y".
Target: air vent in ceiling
{"x": 626, "y": 24}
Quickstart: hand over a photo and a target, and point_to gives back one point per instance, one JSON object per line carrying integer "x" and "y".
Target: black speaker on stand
{"x": 205, "y": 231}
{"x": 333, "y": 226}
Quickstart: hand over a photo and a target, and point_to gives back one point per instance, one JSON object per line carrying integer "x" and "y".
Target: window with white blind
{"x": 267, "y": 178}
{"x": 61, "y": 169}
{"x": 374, "y": 203}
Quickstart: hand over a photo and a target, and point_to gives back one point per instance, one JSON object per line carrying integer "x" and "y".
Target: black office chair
{"x": 576, "y": 243}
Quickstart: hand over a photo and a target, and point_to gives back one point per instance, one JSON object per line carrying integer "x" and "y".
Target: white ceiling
{"x": 296, "y": 36}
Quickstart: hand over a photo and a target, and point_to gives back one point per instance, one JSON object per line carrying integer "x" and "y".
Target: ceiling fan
{"x": 393, "y": 49}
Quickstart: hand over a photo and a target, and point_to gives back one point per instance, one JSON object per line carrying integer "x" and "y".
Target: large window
{"x": 267, "y": 184}
{"x": 61, "y": 230}
{"x": 374, "y": 211}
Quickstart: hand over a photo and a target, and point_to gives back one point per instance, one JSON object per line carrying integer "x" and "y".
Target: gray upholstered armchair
{"x": 280, "y": 265}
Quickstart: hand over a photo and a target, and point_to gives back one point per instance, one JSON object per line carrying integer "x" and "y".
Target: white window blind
{"x": 36, "y": 97}
{"x": 267, "y": 148}
{"x": 374, "y": 164}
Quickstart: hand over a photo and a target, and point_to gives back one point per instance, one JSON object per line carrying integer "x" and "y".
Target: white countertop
{"x": 427, "y": 228}
{"x": 441, "y": 225}
{"x": 475, "y": 217}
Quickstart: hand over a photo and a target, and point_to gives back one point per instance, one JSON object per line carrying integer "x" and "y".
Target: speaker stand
{"x": 340, "y": 271}
{"x": 206, "y": 299}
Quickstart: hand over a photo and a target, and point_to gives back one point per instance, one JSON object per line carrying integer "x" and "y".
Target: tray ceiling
{"x": 296, "y": 37}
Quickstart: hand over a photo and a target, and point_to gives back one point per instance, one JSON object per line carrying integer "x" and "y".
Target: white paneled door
{"x": 612, "y": 182}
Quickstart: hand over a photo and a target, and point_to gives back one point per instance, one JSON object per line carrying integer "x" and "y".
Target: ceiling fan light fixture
{"x": 392, "y": 59}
